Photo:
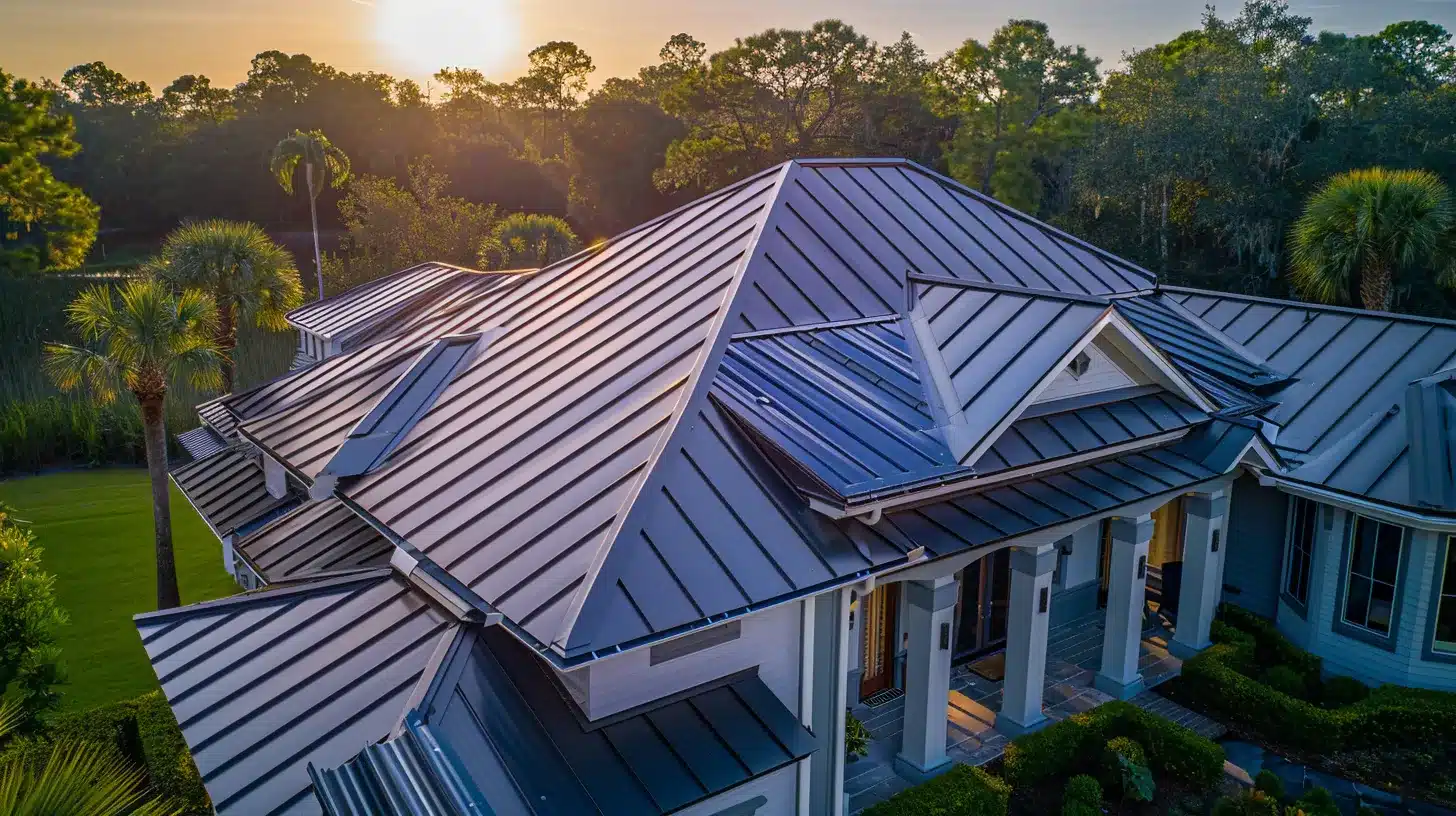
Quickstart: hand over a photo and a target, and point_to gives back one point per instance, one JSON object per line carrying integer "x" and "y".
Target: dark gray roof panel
{"x": 216, "y": 415}
{"x": 502, "y": 704}
{"x": 360, "y": 306}
{"x": 1002, "y": 512}
{"x": 228, "y": 489}
{"x": 413, "y": 774}
{"x": 1085, "y": 429}
{"x": 997, "y": 345}
{"x": 1228, "y": 398}
{"x": 848, "y": 231}
{"x": 846, "y": 402}
{"x": 1348, "y": 364}
{"x": 323, "y": 536}
{"x": 268, "y": 682}
{"x": 201, "y": 442}
{"x": 434, "y": 306}
{"x": 1184, "y": 338}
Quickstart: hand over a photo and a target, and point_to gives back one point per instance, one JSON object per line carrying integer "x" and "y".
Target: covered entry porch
{"x": 1116, "y": 572}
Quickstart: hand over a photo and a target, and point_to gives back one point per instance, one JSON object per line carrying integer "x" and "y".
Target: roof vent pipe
{"x": 872, "y": 517}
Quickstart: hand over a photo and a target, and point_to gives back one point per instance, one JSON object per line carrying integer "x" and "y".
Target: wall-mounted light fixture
{"x": 1142, "y": 567}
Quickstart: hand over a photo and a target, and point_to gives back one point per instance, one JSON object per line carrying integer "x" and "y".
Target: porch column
{"x": 1026, "y": 639}
{"x": 828, "y": 697}
{"x": 1126, "y": 580}
{"x": 1203, "y": 544}
{"x": 929, "y": 610}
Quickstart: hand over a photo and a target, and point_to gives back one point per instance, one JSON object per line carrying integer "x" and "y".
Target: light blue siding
{"x": 1255, "y": 547}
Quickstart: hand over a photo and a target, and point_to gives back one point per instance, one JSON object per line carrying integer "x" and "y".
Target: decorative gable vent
{"x": 1079, "y": 365}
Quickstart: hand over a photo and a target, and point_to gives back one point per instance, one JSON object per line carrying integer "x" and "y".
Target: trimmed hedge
{"x": 141, "y": 730}
{"x": 1075, "y": 744}
{"x": 961, "y": 791}
{"x": 1218, "y": 681}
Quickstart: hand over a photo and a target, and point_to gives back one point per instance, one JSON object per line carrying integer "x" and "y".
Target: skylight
{"x": 390, "y": 420}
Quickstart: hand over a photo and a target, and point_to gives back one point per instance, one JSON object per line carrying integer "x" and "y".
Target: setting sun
{"x": 423, "y": 36}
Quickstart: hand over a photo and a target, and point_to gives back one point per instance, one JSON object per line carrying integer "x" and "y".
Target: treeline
{"x": 1192, "y": 157}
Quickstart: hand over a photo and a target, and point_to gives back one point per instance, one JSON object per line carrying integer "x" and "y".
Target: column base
{"x": 912, "y": 771}
{"x": 1183, "y": 651}
{"x": 1117, "y": 688}
{"x": 1013, "y": 729}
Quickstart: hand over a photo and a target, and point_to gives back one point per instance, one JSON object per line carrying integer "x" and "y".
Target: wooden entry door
{"x": 880, "y": 626}
{"x": 984, "y": 605}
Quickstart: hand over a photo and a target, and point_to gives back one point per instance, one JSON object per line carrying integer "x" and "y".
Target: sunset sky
{"x": 156, "y": 40}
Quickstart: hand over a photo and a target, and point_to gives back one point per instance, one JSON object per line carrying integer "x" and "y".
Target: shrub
{"x": 1083, "y": 789}
{"x": 1125, "y": 766}
{"x": 1247, "y": 803}
{"x": 856, "y": 737}
{"x": 1287, "y": 680}
{"x": 961, "y": 791}
{"x": 164, "y": 752}
{"x": 1342, "y": 691}
{"x": 1270, "y": 784}
{"x": 1318, "y": 802}
{"x": 1076, "y": 743}
{"x": 30, "y": 618}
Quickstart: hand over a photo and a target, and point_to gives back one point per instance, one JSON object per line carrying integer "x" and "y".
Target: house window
{"x": 1299, "y": 549}
{"x": 1372, "y": 574}
{"x": 1445, "y": 639}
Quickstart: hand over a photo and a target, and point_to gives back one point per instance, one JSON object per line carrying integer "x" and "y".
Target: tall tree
{"x": 249, "y": 277}
{"x": 1017, "y": 96}
{"x": 319, "y": 157}
{"x": 528, "y": 241}
{"x": 1367, "y": 226}
{"x": 142, "y": 337}
{"x": 772, "y": 96}
{"x": 43, "y": 222}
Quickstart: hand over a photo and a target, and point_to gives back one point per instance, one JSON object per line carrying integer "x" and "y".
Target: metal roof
{"x": 321, "y": 536}
{"x": 1348, "y": 364}
{"x": 994, "y": 346}
{"x": 1190, "y": 342}
{"x": 201, "y": 442}
{"x": 265, "y": 683}
{"x": 499, "y": 707}
{"x": 216, "y": 415}
{"x": 1229, "y": 399}
{"x": 1056, "y": 430}
{"x": 434, "y": 306}
{"x": 845, "y": 401}
{"x": 412, "y": 774}
{"x": 1002, "y": 512}
{"x": 228, "y": 489}
{"x": 847, "y": 231}
{"x": 360, "y": 306}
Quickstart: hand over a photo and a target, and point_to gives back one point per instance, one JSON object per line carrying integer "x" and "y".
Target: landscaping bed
{"x": 1270, "y": 692}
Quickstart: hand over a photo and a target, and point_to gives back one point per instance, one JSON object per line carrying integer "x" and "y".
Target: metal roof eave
{"x": 1425, "y": 518}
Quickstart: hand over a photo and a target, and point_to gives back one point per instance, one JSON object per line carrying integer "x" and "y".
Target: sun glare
{"x": 423, "y": 36}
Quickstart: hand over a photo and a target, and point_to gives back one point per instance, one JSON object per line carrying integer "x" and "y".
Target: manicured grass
{"x": 95, "y": 527}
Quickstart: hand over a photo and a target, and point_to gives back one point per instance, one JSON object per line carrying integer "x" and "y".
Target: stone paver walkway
{"x": 1074, "y": 652}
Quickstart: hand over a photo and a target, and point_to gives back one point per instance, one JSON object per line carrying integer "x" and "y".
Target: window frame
{"x": 1356, "y": 631}
{"x": 1443, "y": 571}
{"x": 1294, "y": 602}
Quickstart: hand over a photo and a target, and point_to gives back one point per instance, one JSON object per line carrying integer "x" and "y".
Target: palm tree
{"x": 142, "y": 337}
{"x": 74, "y": 780}
{"x": 1366, "y": 226}
{"x": 249, "y": 277}
{"x": 319, "y": 157}
{"x": 521, "y": 240}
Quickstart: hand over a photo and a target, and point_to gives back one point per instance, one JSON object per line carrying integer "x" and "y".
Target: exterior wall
{"x": 1075, "y": 593}
{"x": 1255, "y": 546}
{"x": 775, "y": 794}
{"x": 768, "y": 640}
{"x": 1102, "y": 375}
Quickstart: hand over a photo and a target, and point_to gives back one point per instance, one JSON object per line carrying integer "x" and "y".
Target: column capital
{"x": 1206, "y": 505}
{"x": 1034, "y": 561}
{"x": 933, "y": 595}
{"x": 1138, "y": 530}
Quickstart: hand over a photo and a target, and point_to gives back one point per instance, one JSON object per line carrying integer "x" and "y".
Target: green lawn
{"x": 95, "y": 527}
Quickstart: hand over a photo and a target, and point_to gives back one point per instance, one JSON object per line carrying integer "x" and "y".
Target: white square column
{"x": 1026, "y": 640}
{"x": 1203, "y": 551}
{"x": 929, "y": 619}
{"x": 1126, "y": 582}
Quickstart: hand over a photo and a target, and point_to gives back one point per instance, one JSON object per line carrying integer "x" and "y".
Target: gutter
{"x": 1385, "y": 512}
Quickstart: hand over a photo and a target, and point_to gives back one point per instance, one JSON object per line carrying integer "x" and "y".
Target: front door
{"x": 985, "y": 600}
{"x": 1165, "y": 555}
{"x": 880, "y": 626}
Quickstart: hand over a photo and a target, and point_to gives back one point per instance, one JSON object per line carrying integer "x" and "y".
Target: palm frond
{"x": 77, "y": 780}
{"x": 311, "y": 147}
{"x": 71, "y": 367}
{"x": 286, "y": 157}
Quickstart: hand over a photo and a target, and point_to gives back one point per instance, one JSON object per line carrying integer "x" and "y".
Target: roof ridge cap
{"x": 1003, "y": 288}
